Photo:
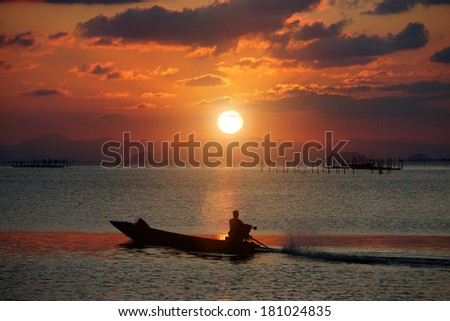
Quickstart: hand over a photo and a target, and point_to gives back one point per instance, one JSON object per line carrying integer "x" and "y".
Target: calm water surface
{"x": 348, "y": 237}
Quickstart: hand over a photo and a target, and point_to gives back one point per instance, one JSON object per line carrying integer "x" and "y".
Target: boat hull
{"x": 141, "y": 233}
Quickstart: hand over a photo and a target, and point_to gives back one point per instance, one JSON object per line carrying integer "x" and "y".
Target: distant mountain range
{"x": 56, "y": 146}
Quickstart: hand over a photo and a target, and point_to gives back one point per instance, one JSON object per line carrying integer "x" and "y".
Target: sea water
{"x": 339, "y": 236}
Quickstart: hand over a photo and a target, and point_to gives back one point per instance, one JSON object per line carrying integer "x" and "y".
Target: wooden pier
{"x": 378, "y": 165}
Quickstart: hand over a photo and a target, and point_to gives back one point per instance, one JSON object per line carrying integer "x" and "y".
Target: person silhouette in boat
{"x": 239, "y": 231}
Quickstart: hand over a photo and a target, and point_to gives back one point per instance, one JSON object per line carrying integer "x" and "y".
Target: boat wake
{"x": 367, "y": 258}
{"x": 407, "y": 250}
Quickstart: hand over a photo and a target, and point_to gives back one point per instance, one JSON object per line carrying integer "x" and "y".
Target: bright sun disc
{"x": 230, "y": 122}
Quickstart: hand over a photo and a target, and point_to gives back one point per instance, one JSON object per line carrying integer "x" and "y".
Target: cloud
{"x": 285, "y": 97}
{"x": 442, "y": 56}
{"x": 368, "y": 77}
{"x": 208, "y": 80}
{"x": 159, "y": 95}
{"x": 58, "y": 35}
{"x": 102, "y": 69}
{"x": 318, "y": 30}
{"x": 144, "y": 106}
{"x": 266, "y": 62}
{"x": 261, "y": 66}
{"x": 436, "y": 89}
{"x": 159, "y": 71}
{"x": 343, "y": 50}
{"x": 36, "y": 44}
{"x": 136, "y": 106}
{"x": 225, "y": 100}
{"x": 60, "y": 39}
{"x": 121, "y": 44}
{"x": 99, "y": 69}
{"x": 5, "y": 66}
{"x": 398, "y": 6}
{"x": 107, "y": 71}
{"x": 24, "y": 40}
{"x": 218, "y": 24}
{"x": 23, "y": 65}
{"x": 112, "y": 95}
{"x": 414, "y": 36}
{"x": 47, "y": 92}
{"x": 202, "y": 52}
{"x": 420, "y": 87}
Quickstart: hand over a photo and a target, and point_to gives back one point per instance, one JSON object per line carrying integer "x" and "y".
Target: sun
{"x": 230, "y": 122}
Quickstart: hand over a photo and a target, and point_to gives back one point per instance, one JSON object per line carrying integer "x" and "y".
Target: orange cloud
{"x": 215, "y": 101}
{"x": 112, "y": 95}
{"x": 159, "y": 95}
{"x": 107, "y": 71}
{"x": 207, "y": 80}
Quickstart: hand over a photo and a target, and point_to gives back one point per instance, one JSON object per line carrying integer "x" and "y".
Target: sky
{"x": 375, "y": 69}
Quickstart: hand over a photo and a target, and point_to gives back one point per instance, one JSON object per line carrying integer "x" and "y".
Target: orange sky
{"x": 154, "y": 68}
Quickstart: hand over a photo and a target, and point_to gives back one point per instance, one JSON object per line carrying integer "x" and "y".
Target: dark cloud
{"x": 442, "y": 56}
{"x": 24, "y": 39}
{"x": 342, "y": 50}
{"x": 98, "y": 69}
{"x": 103, "y": 42}
{"x": 5, "y": 66}
{"x": 349, "y": 89}
{"x": 426, "y": 87}
{"x": 420, "y": 87}
{"x": 338, "y": 106}
{"x": 114, "y": 75}
{"x": 107, "y": 71}
{"x": 45, "y": 92}
{"x": 144, "y": 106}
{"x": 220, "y": 23}
{"x": 58, "y": 35}
{"x": 414, "y": 36}
{"x": 319, "y": 30}
{"x": 397, "y": 6}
